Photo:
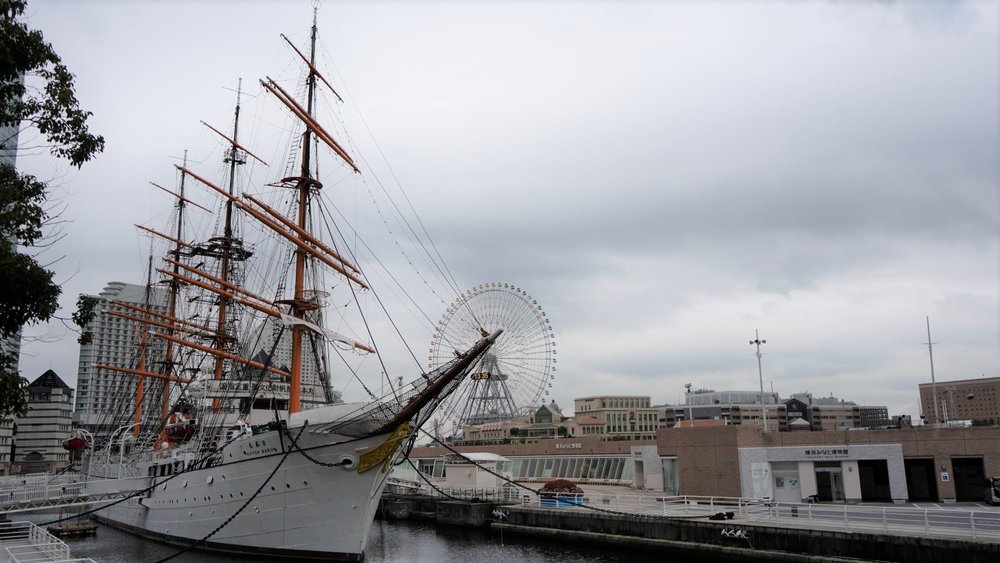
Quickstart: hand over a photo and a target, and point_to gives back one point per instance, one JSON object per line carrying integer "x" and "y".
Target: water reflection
{"x": 390, "y": 542}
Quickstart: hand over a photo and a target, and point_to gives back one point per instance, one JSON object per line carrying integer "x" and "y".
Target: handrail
{"x": 952, "y": 522}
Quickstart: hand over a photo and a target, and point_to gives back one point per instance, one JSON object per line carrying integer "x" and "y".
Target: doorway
{"x": 829, "y": 482}
{"x": 874, "y": 477}
{"x": 921, "y": 481}
{"x": 970, "y": 478}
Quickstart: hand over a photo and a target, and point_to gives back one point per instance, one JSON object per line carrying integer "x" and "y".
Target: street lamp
{"x": 687, "y": 400}
{"x": 760, "y": 373}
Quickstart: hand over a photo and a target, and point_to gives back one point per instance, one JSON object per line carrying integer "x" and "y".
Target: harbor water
{"x": 390, "y": 542}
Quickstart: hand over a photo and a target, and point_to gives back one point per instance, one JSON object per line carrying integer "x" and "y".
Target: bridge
{"x": 40, "y": 492}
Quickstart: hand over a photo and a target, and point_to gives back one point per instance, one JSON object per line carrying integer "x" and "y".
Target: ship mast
{"x": 303, "y": 187}
{"x": 168, "y": 356}
{"x": 143, "y": 342}
{"x": 223, "y": 338}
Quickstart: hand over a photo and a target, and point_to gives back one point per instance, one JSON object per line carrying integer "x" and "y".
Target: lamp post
{"x": 930, "y": 352}
{"x": 687, "y": 401}
{"x": 760, "y": 373}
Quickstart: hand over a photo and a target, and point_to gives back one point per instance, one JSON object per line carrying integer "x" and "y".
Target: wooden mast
{"x": 303, "y": 186}
{"x": 167, "y": 368}
{"x": 227, "y": 237}
{"x": 143, "y": 341}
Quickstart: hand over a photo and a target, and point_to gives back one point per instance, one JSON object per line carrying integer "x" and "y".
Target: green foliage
{"x": 53, "y": 109}
{"x": 85, "y": 310}
{"x": 562, "y": 431}
{"x": 515, "y": 431}
{"x": 13, "y": 388}
{"x": 29, "y": 293}
{"x": 21, "y": 200}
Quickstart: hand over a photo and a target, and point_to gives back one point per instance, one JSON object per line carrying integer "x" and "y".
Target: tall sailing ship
{"x": 227, "y": 425}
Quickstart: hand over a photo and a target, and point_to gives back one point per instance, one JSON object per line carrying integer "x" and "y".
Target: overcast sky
{"x": 665, "y": 178}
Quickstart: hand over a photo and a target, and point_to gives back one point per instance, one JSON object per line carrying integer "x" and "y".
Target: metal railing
{"x": 954, "y": 522}
{"x": 24, "y": 542}
{"x": 42, "y": 495}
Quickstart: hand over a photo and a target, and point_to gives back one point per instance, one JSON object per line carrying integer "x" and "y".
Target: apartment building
{"x": 115, "y": 341}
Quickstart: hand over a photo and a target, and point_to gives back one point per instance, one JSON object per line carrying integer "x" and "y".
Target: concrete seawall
{"x": 741, "y": 541}
{"x": 468, "y": 514}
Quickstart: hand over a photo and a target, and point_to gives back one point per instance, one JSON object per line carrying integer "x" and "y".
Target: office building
{"x": 974, "y": 400}
{"x": 48, "y": 422}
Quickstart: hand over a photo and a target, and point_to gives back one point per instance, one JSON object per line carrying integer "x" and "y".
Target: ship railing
{"x": 958, "y": 521}
{"x": 25, "y": 542}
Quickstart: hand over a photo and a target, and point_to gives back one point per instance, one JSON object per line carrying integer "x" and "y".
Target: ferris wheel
{"x": 515, "y": 373}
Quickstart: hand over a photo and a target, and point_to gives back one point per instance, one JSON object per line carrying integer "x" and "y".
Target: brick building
{"x": 977, "y": 400}
{"x": 867, "y": 465}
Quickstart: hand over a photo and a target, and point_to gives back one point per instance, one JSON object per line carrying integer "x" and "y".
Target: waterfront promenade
{"x": 954, "y": 520}
{"x": 736, "y": 529}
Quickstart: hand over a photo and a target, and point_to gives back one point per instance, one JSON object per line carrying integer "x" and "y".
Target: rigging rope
{"x": 277, "y": 466}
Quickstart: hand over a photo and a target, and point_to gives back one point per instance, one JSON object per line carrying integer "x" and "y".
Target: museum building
{"x": 856, "y": 465}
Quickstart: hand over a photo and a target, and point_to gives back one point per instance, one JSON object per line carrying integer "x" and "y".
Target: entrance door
{"x": 969, "y": 478}
{"x": 874, "y": 476}
{"x": 921, "y": 480}
{"x": 829, "y": 484}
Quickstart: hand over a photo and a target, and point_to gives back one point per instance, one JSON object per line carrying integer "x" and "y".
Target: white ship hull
{"x": 305, "y": 510}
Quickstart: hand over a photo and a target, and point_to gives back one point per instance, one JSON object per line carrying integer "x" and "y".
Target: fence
{"x": 958, "y": 522}
{"x": 23, "y": 542}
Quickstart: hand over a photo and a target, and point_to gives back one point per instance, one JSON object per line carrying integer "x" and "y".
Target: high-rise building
{"x": 8, "y": 157}
{"x": 48, "y": 422}
{"x": 115, "y": 341}
{"x": 271, "y": 344}
{"x": 977, "y": 400}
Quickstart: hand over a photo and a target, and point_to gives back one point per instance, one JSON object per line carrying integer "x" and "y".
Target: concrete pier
{"x": 739, "y": 540}
{"x": 455, "y": 513}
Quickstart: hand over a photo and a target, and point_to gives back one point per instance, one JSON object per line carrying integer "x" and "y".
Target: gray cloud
{"x": 663, "y": 178}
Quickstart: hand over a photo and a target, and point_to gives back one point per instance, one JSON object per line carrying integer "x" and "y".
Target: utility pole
{"x": 760, "y": 372}
{"x": 930, "y": 352}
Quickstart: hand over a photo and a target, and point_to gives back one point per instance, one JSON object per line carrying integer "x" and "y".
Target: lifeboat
{"x": 74, "y": 444}
{"x": 180, "y": 428}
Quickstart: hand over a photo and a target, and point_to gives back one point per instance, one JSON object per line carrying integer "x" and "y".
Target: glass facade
{"x": 616, "y": 469}
{"x": 612, "y": 468}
